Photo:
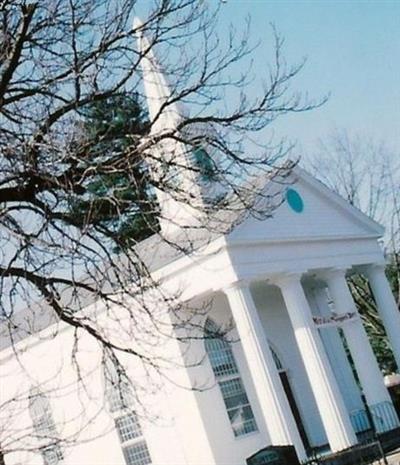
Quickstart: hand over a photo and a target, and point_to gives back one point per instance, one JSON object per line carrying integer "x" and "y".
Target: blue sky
{"x": 353, "y": 53}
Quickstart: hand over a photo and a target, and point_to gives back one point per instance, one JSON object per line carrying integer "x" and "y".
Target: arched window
{"x": 120, "y": 396}
{"x": 229, "y": 381}
{"x": 44, "y": 427}
{"x": 204, "y": 164}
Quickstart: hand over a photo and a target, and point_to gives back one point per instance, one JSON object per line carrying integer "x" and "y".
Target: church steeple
{"x": 156, "y": 88}
{"x": 165, "y": 118}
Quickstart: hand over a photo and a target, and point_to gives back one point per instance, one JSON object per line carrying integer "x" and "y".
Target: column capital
{"x": 332, "y": 273}
{"x": 373, "y": 269}
{"x": 238, "y": 284}
{"x": 284, "y": 279}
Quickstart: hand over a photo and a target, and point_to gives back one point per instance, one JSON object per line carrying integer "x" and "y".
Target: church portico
{"x": 316, "y": 303}
{"x": 311, "y": 379}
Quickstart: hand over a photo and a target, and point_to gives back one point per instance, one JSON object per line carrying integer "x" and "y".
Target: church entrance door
{"x": 295, "y": 410}
{"x": 291, "y": 399}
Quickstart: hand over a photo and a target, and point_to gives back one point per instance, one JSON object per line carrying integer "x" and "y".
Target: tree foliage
{"x": 117, "y": 201}
{"x": 80, "y": 162}
{"x": 366, "y": 173}
{"x": 67, "y": 61}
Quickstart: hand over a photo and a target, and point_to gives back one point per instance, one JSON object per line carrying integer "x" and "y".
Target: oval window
{"x": 294, "y": 200}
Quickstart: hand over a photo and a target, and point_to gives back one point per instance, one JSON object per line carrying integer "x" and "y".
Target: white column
{"x": 330, "y": 403}
{"x": 376, "y": 394}
{"x": 337, "y": 355}
{"x": 274, "y": 405}
{"x": 387, "y": 306}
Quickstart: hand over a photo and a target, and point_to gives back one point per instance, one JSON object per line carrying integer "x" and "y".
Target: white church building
{"x": 286, "y": 380}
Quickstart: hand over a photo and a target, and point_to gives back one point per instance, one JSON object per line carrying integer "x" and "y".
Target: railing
{"x": 374, "y": 440}
{"x": 363, "y": 454}
{"x": 384, "y": 417}
{"x": 373, "y": 446}
{"x": 360, "y": 421}
{"x": 390, "y": 440}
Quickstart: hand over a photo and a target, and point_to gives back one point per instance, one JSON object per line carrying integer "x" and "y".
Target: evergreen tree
{"x": 366, "y": 305}
{"x": 119, "y": 199}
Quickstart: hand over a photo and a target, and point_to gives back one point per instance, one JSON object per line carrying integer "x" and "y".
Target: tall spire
{"x": 156, "y": 88}
{"x": 165, "y": 118}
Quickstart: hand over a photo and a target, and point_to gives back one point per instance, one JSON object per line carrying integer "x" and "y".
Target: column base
{"x": 384, "y": 417}
{"x": 359, "y": 420}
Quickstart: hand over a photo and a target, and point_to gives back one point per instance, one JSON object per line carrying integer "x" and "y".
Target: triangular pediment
{"x": 314, "y": 212}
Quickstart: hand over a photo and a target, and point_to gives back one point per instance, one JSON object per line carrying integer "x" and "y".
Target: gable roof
{"x": 324, "y": 215}
{"x": 339, "y": 201}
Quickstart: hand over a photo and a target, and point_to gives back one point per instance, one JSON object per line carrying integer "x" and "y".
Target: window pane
{"x": 238, "y": 407}
{"x": 240, "y": 414}
{"x": 224, "y": 366}
{"x": 204, "y": 163}
{"x": 244, "y": 428}
{"x": 44, "y": 426}
{"x": 219, "y": 352}
{"x": 52, "y": 455}
{"x": 230, "y": 388}
{"x": 236, "y": 401}
{"x": 222, "y": 360}
{"x": 40, "y": 411}
{"x": 119, "y": 396}
{"x": 119, "y": 391}
{"x": 128, "y": 427}
{"x": 137, "y": 454}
